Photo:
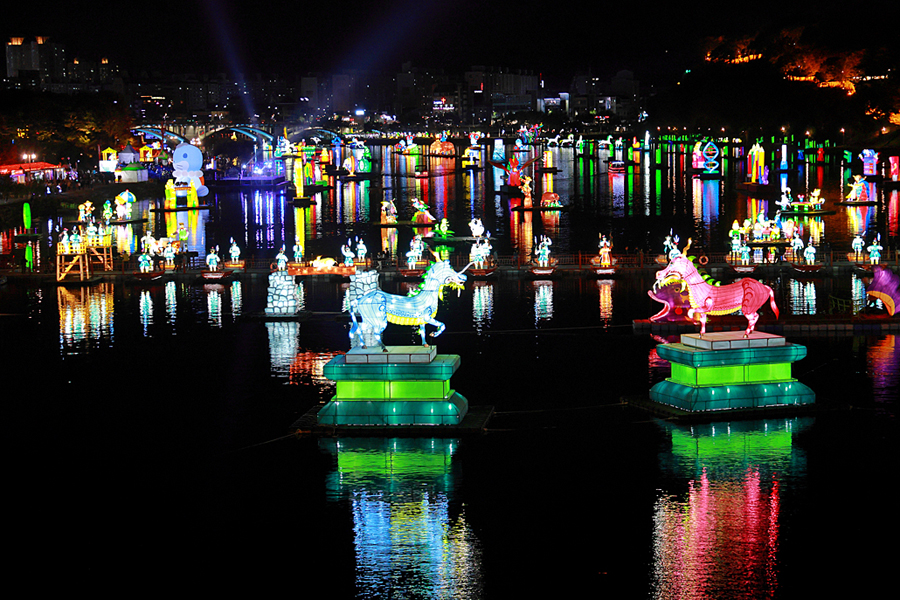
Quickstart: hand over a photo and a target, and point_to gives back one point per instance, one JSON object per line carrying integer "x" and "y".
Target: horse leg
{"x": 382, "y": 322}
{"x": 440, "y": 326}
{"x": 752, "y": 318}
{"x": 700, "y": 316}
{"x": 355, "y": 329}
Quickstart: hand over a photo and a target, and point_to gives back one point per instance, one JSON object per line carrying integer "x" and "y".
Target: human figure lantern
{"x": 745, "y": 253}
{"x": 347, "y": 252}
{"x": 85, "y": 211}
{"x": 875, "y": 250}
{"x": 857, "y": 189}
{"x": 361, "y": 250}
{"x": 857, "y": 245}
{"x": 736, "y": 238}
{"x": 212, "y": 259}
{"x": 298, "y": 250}
{"x": 124, "y": 201}
{"x": 542, "y": 251}
{"x": 234, "y": 251}
{"x": 605, "y": 248}
{"x": 416, "y": 248}
{"x": 378, "y": 308}
{"x": 145, "y": 262}
{"x": 480, "y": 252}
{"x": 810, "y": 253}
{"x": 169, "y": 255}
{"x": 281, "y": 260}
{"x": 746, "y": 295}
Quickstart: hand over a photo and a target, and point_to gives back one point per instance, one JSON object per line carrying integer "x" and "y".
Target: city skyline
{"x": 224, "y": 37}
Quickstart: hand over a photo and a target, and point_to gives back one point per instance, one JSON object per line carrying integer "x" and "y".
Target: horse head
{"x": 445, "y": 275}
{"x": 678, "y": 270}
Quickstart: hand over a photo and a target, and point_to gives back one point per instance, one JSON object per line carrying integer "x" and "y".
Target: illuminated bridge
{"x": 177, "y": 133}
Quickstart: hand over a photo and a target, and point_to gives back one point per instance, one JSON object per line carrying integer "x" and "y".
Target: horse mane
{"x": 415, "y": 291}
{"x": 702, "y": 272}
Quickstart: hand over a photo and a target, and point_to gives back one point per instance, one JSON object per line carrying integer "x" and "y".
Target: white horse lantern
{"x": 378, "y": 308}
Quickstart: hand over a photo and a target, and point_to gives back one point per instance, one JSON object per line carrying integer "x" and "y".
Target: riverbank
{"x": 50, "y": 205}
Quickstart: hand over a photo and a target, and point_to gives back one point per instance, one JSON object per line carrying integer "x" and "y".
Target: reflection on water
{"x": 720, "y": 538}
{"x": 85, "y": 316}
{"x": 410, "y": 539}
{"x": 214, "y": 303}
{"x": 171, "y": 302}
{"x": 543, "y": 301}
{"x": 282, "y": 345}
{"x": 883, "y": 358}
{"x": 802, "y": 297}
{"x": 146, "y": 310}
{"x": 605, "y": 286}
{"x": 237, "y": 299}
{"x": 858, "y": 293}
{"x": 482, "y": 305}
{"x": 308, "y": 368}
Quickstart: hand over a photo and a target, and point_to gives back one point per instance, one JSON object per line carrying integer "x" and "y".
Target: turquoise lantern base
{"x": 727, "y": 371}
{"x": 408, "y": 385}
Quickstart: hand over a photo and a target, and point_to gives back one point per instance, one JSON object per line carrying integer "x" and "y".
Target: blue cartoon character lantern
{"x": 187, "y": 161}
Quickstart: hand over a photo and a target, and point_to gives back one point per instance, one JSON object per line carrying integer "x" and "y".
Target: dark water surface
{"x": 145, "y": 427}
{"x": 146, "y": 433}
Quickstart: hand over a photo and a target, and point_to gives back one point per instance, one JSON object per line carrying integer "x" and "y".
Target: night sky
{"x": 546, "y": 37}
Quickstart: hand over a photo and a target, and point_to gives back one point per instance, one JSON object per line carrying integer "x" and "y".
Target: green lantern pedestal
{"x": 727, "y": 371}
{"x": 408, "y": 385}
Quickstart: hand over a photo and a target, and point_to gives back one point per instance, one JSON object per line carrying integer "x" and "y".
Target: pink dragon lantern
{"x": 746, "y": 295}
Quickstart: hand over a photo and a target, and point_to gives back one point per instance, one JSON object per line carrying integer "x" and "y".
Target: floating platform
{"x": 336, "y": 269}
{"x": 726, "y": 371}
{"x": 405, "y": 386}
{"x": 167, "y": 209}
{"x": 541, "y": 208}
{"x": 803, "y": 325}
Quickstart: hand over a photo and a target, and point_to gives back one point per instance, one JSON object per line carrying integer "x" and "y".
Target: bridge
{"x": 178, "y": 133}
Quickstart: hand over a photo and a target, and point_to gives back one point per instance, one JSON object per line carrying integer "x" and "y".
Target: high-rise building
{"x": 41, "y": 55}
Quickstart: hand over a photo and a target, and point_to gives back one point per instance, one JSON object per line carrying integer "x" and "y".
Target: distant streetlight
{"x": 29, "y": 157}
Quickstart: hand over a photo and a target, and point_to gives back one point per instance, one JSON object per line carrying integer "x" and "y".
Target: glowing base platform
{"x": 408, "y": 385}
{"x": 726, "y": 371}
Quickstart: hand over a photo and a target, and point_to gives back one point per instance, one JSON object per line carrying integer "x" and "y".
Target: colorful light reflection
{"x": 720, "y": 538}
{"x": 85, "y": 316}
{"x": 409, "y": 540}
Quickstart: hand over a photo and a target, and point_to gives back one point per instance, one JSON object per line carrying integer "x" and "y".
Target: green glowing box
{"x": 727, "y": 371}
{"x": 408, "y": 385}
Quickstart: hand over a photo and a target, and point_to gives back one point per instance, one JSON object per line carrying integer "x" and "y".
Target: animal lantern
{"x": 187, "y": 162}
{"x": 378, "y": 308}
{"x": 746, "y": 295}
